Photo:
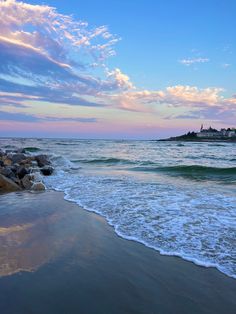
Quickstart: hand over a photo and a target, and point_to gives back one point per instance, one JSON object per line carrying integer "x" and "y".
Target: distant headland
{"x": 206, "y": 135}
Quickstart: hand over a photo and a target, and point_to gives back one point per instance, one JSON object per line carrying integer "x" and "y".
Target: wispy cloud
{"x": 174, "y": 96}
{"x": 56, "y": 53}
{"x": 18, "y": 117}
{"x": 191, "y": 61}
{"x": 199, "y": 103}
{"x": 225, "y": 65}
{"x": 25, "y": 117}
{"x": 55, "y": 58}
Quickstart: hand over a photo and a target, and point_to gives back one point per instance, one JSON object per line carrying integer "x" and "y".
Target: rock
{"x": 14, "y": 168}
{"x": 21, "y": 151}
{"x": 31, "y": 158}
{"x": 38, "y": 186}
{"x": 42, "y": 160}
{"x": 26, "y": 160}
{"x": 27, "y": 182}
{"x": 17, "y": 158}
{"x": 33, "y": 178}
{"x": 36, "y": 177}
{"x": 7, "y": 185}
{"x": 7, "y": 162}
{"x": 47, "y": 170}
{"x": 25, "y": 164}
{"x": 9, "y": 151}
{"x": 17, "y": 181}
{"x": 7, "y": 172}
{"x": 21, "y": 172}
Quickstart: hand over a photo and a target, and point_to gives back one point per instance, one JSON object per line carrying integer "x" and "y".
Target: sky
{"x": 126, "y": 69}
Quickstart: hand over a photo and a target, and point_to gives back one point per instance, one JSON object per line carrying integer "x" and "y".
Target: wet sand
{"x": 58, "y": 258}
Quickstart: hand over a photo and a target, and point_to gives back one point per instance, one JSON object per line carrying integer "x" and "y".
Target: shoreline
{"x": 137, "y": 240}
{"x": 79, "y": 249}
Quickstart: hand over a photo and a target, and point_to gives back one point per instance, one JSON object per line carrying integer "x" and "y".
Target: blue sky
{"x": 172, "y": 65}
{"x": 157, "y": 34}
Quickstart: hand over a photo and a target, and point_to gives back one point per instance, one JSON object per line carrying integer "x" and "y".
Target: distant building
{"x": 215, "y": 134}
{"x": 232, "y": 133}
{"x": 208, "y": 133}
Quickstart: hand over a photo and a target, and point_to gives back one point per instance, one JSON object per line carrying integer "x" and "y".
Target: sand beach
{"x": 57, "y": 258}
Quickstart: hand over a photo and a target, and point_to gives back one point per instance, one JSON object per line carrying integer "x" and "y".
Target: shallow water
{"x": 178, "y": 198}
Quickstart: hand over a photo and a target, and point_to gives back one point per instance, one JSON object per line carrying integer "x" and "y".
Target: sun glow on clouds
{"x": 54, "y": 51}
{"x": 51, "y": 60}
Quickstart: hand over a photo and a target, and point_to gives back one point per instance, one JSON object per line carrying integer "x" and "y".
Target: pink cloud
{"x": 62, "y": 31}
{"x": 46, "y": 48}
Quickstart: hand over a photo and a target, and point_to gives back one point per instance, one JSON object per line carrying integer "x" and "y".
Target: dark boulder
{"x": 7, "y": 185}
{"x": 9, "y": 151}
{"x": 27, "y": 181}
{"x": 7, "y": 172}
{"x": 21, "y": 172}
{"x": 47, "y": 170}
{"x": 17, "y": 158}
{"x": 42, "y": 160}
{"x": 14, "y": 168}
{"x": 21, "y": 151}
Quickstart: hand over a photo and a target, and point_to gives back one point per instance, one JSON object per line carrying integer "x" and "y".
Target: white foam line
{"x": 131, "y": 238}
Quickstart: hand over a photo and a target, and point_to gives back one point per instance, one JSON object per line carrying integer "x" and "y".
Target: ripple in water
{"x": 196, "y": 224}
{"x": 173, "y": 198}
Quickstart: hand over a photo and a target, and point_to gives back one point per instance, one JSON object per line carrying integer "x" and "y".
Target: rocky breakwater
{"x": 22, "y": 171}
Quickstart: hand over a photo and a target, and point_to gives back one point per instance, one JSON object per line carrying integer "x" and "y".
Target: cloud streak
{"x": 200, "y": 103}
{"x": 56, "y": 54}
{"x": 191, "y": 61}
{"x": 54, "y": 58}
{"x": 25, "y": 117}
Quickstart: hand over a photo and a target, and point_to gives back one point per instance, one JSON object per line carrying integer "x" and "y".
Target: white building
{"x": 208, "y": 133}
{"x": 213, "y": 133}
{"x": 232, "y": 133}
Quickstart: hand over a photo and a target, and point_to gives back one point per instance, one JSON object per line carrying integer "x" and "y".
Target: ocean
{"x": 178, "y": 198}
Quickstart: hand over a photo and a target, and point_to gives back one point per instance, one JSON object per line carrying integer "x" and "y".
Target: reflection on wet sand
{"x": 31, "y": 237}
{"x": 79, "y": 265}
{"x": 5, "y": 231}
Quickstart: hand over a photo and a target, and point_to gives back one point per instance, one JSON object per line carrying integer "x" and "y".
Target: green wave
{"x": 104, "y": 160}
{"x": 195, "y": 171}
{"x": 32, "y": 149}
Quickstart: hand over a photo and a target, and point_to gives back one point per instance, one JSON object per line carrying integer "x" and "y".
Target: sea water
{"x": 178, "y": 198}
